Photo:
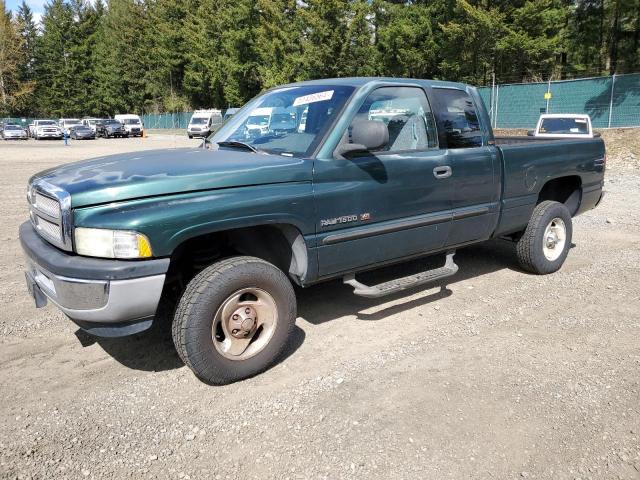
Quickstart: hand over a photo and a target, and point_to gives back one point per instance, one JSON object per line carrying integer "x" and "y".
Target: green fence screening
{"x": 609, "y": 101}
{"x": 176, "y": 120}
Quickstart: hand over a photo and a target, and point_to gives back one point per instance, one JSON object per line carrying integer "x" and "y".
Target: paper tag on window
{"x": 580, "y": 120}
{"x": 313, "y": 98}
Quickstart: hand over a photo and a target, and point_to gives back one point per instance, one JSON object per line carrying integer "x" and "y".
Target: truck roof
{"x": 564, "y": 115}
{"x": 360, "y": 81}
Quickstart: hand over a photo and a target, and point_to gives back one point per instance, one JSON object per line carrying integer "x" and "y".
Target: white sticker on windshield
{"x": 580, "y": 120}
{"x": 574, "y": 130}
{"x": 312, "y": 98}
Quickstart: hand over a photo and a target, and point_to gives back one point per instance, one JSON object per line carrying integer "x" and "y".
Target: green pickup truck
{"x": 368, "y": 172}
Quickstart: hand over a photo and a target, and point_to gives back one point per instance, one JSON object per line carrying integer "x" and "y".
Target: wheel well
{"x": 567, "y": 190}
{"x": 280, "y": 244}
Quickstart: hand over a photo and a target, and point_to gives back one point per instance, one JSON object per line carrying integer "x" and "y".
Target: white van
{"x": 91, "y": 123}
{"x": 203, "y": 122}
{"x": 132, "y": 124}
{"x": 66, "y": 124}
{"x": 258, "y": 122}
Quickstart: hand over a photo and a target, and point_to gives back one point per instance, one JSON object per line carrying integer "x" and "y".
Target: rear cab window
{"x": 458, "y": 121}
{"x": 571, "y": 126}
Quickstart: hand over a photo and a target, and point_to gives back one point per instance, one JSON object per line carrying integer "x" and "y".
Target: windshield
{"x": 308, "y": 111}
{"x": 130, "y": 121}
{"x": 72, "y": 121}
{"x": 12, "y": 127}
{"x": 111, "y": 122}
{"x": 46, "y": 122}
{"x": 199, "y": 120}
{"x": 570, "y": 126}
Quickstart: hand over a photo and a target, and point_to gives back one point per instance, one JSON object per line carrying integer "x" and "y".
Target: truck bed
{"x": 528, "y": 163}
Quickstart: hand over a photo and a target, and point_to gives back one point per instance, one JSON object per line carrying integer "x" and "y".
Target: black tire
{"x": 190, "y": 136}
{"x": 193, "y": 320}
{"x": 530, "y": 247}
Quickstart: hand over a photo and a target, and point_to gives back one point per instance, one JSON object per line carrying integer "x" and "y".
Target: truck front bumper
{"x": 107, "y": 298}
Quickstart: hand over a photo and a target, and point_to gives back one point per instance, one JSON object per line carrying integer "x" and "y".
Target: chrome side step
{"x": 404, "y": 283}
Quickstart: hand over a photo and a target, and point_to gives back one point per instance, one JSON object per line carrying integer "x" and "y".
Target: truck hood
{"x": 163, "y": 172}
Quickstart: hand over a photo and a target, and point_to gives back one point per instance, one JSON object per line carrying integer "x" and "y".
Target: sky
{"x": 37, "y": 6}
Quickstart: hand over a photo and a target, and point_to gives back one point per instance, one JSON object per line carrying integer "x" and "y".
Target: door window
{"x": 406, "y": 112}
{"x": 458, "y": 119}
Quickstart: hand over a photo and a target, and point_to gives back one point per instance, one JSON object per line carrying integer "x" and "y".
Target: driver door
{"x": 387, "y": 204}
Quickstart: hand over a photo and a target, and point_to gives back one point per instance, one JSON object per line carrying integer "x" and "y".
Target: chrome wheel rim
{"x": 244, "y": 324}
{"x": 555, "y": 237}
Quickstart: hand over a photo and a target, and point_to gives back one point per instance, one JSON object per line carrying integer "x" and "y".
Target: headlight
{"x": 98, "y": 242}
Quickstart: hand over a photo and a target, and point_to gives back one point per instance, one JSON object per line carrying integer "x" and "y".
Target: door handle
{"x": 442, "y": 172}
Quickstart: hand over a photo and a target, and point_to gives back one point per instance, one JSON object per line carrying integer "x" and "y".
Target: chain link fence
{"x": 610, "y": 101}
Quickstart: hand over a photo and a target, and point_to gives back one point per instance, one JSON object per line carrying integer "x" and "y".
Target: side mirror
{"x": 531, "y": 133}
{"x": 366, "y": 135}
{"x": 597, "y": 134}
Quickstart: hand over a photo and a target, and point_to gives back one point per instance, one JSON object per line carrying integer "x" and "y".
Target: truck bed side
{"x": 529, "y": 165}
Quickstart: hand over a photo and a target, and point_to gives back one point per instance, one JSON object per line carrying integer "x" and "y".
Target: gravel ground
{"x": 501, "y": 375}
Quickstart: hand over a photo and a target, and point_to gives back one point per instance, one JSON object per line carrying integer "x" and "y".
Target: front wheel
{"x": 544, "y": 246}
{"x": 234, "y": 319}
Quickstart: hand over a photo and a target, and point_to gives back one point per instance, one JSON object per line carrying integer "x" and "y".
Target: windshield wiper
{"x": 237, "y": 144}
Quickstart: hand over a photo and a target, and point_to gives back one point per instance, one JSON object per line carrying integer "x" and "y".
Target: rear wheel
{"x": 234, "y": 319}
{"x": 545, "y": 244}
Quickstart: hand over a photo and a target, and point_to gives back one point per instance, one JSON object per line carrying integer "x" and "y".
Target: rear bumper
{"x": 104, "y": 297}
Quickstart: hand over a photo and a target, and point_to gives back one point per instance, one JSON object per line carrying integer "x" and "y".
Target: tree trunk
{"x": 615, "y": 38}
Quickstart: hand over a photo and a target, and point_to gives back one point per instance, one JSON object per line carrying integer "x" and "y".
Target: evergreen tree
{"x": 470, "y": 43}
{"x": 13, "y": 93}
{"x": 28, "y": 33}
{"x": 121, "y": 58}
{"x": 166, "y": 53}
{"x": 91, "y": 57}
{"x": 405, "y": 40}
{"x": 358, "y": 54}
{"x": 323, "y": 35}
{"x": 202, "y": 80}
{"x": 279, "y": 32}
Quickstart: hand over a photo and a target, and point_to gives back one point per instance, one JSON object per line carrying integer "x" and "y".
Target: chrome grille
{"x": 47, "y": 229}
{"x": 47, "y": 205}
{"x": 50, "y": 212}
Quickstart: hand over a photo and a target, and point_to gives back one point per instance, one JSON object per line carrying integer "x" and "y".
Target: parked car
{"x": 82, "y": 132}
{"x": 90, "y": 122}
{"x": 13, "y": 132}
{"x": 132, "y": 124}
{"x": 110, "y": 128}
{"x": 67, "y": 123}
{"x": 203, "y": 122}
{"x": 46, "y": 128}
{"x": 228, "y": 230}
{"x": 563, "y": 125}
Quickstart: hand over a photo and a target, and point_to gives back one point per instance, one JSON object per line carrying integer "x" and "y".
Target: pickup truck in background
{"x": 44, "y": 128}
{"x": 378, "y": 171}
{"x": 132, "y": 124}
{"x": 563, "y": 125}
